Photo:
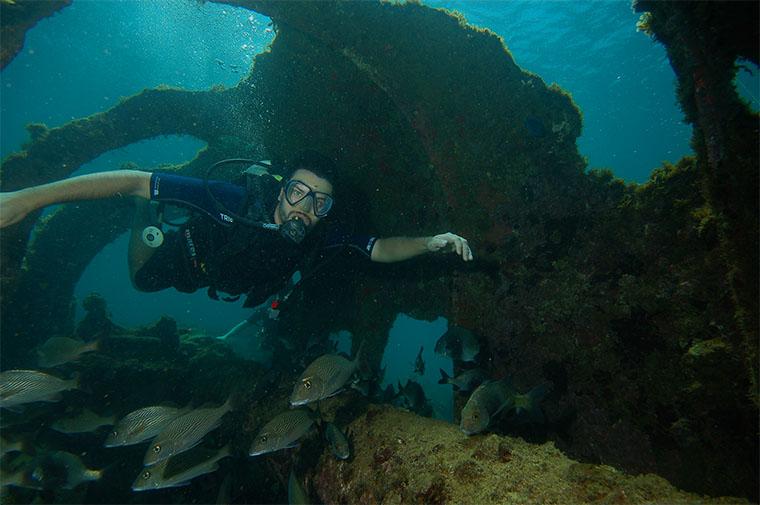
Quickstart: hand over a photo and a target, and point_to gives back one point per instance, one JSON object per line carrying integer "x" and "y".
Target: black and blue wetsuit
{"x": 211, "y": 250}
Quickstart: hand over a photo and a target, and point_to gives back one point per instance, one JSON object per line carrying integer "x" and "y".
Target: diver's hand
{"x": 450, "y": 242}
{"x": 14, "y": 207}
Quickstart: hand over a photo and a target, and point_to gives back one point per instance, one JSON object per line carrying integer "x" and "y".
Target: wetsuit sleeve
{"x": 191, "y": 192}
{"x": 341, "y": 238}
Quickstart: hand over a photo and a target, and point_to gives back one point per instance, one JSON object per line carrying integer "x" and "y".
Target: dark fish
{"x": 338, "y": 441}
{"x": 141, "y": 425}
{"x": 484, "y": 403}
{"x": 419, "y": 363}
{"x": 528, "y": 405}
{"x": 85, "y": 422}
{"x": 18, "y": 387}
{"x": 465, "y": 381}
{"x": 458, "y": 343}
{"x": 412, "y": 397}
{"x": 53, "y": 470}
{"x": 283, "y": 432}
{"x": 58, "y": 350}
{"x": 297, "y": 495}
{"x": 535, "y": 127}
{"x": 324, "y": 377}
{"x": 165, "y": 473}
{"x": 185, "y": 432}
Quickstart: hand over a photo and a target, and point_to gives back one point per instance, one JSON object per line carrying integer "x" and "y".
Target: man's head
{"x": 307, "y": 192}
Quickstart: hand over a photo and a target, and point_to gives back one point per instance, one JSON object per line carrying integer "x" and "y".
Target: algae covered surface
{"x": 404, "y": 458}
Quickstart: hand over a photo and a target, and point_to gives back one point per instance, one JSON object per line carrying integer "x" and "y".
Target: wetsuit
{"x": 211, "y": 250}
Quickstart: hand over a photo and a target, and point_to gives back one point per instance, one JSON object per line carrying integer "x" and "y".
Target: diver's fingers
{"x": 466, "y": 250}
{"x": 458, "y": 245}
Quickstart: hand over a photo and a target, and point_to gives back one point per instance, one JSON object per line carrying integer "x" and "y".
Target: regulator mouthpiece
{"x": 152, "y": 236}
{"x": 294, "y": 230}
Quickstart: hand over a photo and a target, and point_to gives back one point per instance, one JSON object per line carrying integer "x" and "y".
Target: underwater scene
{"x": 379, "y": 252}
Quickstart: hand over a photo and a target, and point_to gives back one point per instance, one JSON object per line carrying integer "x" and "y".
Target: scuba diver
{"x": 240, "y": 239}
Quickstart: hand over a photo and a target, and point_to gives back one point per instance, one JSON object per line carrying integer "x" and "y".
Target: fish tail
{"x": 444, "y": 377}
{"x": 224, "y": 452}
{"x": 75, "y": 381}
{"x": 538, "y": 393}
{"x": 232, "y": 401}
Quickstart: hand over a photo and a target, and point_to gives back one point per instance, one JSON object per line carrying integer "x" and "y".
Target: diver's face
{"x": 303, "y": 210}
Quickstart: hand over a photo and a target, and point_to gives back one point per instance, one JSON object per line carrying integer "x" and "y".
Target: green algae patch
{"x": 403, "y": 458}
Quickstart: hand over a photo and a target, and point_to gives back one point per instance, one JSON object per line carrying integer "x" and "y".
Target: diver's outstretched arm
{"x": 15, "y": 205}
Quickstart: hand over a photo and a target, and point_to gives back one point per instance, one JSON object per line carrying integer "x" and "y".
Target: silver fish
{"x": 166, "y": 474}
{"x": 58, "y": 350}
{"x": 85, "y": 422}
{"x": 465, "y": 381}
{"x": 486, "y": 401}
{"x": 185, "y": 432}
{"x": 18, "y": 387}
{"x": 283, "y": 431}
{"x": 297, "y": 495}
{"x": 458, "y": 343}
{"x": 324, "y": 377}
{"x": 141, "y": 425}
{"x": 338, "y": 441}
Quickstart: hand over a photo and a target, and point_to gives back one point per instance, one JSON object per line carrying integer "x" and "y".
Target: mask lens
{"x": 296, "y": 191}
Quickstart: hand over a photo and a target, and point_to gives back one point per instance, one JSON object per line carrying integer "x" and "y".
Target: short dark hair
{"x": 316, "y": 162}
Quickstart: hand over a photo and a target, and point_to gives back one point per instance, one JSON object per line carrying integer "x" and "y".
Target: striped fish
{"x": 141, "y": 425}
{"x": 324, "y": 377}
{"x": 18, "y": 387}
{"x": 283, "y": 431}
{"x": 185, "y": 432}
{"x": 157, "y": 476}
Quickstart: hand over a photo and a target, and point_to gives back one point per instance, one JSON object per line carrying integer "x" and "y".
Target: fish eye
{"x": 156, "y": 449}
{"x": 307, "y": 383}
{"x": 114, "y": 433}
{"x": 146, "y": 474}
{"x": 263, "y": 439}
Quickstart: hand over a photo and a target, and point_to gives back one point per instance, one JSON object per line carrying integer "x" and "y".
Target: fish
{"x": 85, "y": 422}
{"x": 324, "y": 377}
{"x": 18, "y": 387}
{"x": 465, "y": 381}
{"x": 528, "y": 406}
{"x": 412, "y": 397}
{"x": 52, "y": 470}
{"x": 338, "y": 441}
{"x": 419, "y": 363}
{"x": 59, "y": 350}
{"x": 484, "y": 403}
{"x": 458, "y": 343}
{"x": 173, "y": 473}
{"x": 185, "y": 432}
{"x": 297, "y": 495}
{"x": 283, "y": 432}
{"x": 7, "y": 446}
{"x": 141, "y": 425}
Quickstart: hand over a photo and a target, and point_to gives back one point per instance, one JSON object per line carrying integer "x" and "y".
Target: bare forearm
{"x": 89, "y": 187}
{"x": 16, "y": 205}
{"x": 391, "y": 249}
